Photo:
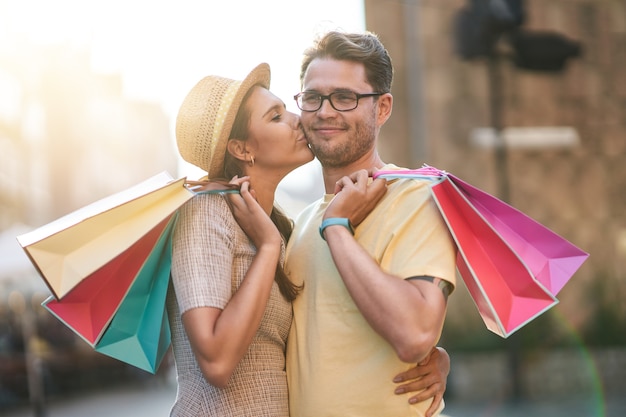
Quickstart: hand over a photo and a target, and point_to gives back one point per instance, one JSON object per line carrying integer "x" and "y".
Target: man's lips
{"x": 327, "y": 129}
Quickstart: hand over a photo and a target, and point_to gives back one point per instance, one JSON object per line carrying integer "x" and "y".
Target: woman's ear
{"x": 237, "y": 148}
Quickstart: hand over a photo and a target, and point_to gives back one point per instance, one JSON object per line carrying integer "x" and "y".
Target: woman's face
{"x": 275, "y": 136}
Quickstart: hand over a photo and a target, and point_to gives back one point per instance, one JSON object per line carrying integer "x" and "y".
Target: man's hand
{"x": 428, "y": 378}
{"x": 355, "y": 197}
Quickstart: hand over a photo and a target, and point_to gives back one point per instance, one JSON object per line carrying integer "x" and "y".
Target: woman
{"x": 229, "y": 305}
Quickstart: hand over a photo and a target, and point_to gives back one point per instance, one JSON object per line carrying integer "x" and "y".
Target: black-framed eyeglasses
{"x": 339, "y": 100}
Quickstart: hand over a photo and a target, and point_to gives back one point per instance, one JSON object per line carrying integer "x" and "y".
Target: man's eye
{"x": 344, "y": 97}
{"x": 311, "y": 98}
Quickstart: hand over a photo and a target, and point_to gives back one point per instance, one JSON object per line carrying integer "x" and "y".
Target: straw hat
{"x": 206, "y": 118}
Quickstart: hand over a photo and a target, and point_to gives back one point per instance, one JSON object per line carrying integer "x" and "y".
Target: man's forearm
{"x": 409, "y": 315}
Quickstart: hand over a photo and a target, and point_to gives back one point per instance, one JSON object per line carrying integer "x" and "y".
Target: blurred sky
{"x": 162, "y": 48}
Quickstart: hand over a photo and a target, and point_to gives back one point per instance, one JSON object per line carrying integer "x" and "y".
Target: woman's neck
{"x": 264, "y": 191}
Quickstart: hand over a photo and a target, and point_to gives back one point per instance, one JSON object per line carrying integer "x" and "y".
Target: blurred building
{"x": 565, "y": 129}
{"x": 547, "y": 79}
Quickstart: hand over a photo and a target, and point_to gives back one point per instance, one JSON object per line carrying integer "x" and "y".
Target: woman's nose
{"x": 295, "y": 121}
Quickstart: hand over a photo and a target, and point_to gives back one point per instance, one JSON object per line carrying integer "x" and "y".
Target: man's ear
{"x": 385, "y": 105}
{"x": 237, "y": 148}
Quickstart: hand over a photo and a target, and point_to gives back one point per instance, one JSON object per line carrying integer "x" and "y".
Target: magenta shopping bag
{"x": 552, "y": 259}
{"x": 512, "y": 265}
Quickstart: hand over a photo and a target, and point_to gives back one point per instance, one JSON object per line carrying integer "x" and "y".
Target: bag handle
{"x": 425, "y": 172}
{"x": 215, "y": 186}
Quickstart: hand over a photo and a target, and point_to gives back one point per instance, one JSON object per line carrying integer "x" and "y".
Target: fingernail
{"x": 412, "y": 401}
{"x": 397, "y": 379}
{"x": 399, "y": 391}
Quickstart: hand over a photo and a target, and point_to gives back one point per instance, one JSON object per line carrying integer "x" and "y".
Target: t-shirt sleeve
{"x": 420, "y": 242}
{"x": 202, "y": 253}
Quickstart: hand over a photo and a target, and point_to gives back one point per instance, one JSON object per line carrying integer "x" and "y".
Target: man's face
{"x": 339, "y": 138}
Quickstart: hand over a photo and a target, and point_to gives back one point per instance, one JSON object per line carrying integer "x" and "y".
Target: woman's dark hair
{"x": 232, "y": 167}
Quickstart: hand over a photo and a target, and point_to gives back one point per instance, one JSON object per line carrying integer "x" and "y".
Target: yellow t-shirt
{"x": 336, "y": 364}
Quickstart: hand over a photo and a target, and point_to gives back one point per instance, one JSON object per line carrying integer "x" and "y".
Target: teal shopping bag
{"x": 139, "y": 333}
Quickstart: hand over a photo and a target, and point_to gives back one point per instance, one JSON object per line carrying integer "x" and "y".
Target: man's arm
{"x": 409, "y": 314}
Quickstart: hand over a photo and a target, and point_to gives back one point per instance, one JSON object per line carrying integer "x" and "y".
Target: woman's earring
{"x": 251, "y": 160}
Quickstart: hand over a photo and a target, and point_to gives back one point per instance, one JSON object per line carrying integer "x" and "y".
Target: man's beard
{"x": 336, "y": 155}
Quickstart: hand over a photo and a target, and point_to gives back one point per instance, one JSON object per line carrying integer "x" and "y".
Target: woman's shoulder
{"x": 207, "y": 206}
{"x": 216, "y": 200}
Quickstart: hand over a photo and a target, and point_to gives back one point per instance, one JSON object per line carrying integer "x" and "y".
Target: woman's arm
{"x": 220, "y": 338}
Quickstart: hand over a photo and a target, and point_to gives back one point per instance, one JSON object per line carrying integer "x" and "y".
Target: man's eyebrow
{"x": 334, "y": 90}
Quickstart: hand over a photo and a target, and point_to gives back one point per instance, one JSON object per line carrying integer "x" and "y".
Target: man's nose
{"x": 326, "y": 108}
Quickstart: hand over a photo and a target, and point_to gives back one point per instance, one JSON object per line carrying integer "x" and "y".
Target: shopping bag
{"x": 552, "y": 259}
{"x": 139, "y": 333}
{"x": 89, "y": 307}
{"x": 513, "y": 266}
{"x": 68, "y": 250}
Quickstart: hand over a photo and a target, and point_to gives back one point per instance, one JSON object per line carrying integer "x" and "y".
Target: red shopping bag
{"x": 89, "y": 307}
{"x": 512, "y": 265}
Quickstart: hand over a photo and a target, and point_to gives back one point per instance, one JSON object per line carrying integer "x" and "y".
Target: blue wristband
{"x": 335, "y": 221}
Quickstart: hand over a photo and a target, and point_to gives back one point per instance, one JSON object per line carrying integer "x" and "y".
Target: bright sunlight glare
{"x": 162, "y": 48}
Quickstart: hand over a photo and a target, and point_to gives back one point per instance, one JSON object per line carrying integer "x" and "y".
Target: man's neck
{"x": 333, "y": 174}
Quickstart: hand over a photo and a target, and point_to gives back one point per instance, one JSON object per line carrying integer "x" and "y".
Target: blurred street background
{"x": 154, "y": 399}
{"x": 525, "y": 99}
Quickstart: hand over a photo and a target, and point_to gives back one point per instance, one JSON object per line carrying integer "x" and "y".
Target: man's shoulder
{"x": 400, "y": 185}
{"x": 407, "y": 187}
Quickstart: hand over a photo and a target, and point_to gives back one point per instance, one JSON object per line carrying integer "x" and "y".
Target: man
{"x": 375, "y": 288}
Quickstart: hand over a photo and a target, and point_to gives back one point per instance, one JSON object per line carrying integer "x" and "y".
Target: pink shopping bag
{"x": 512, "y": 265}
